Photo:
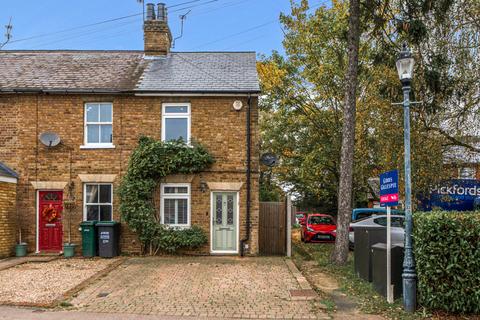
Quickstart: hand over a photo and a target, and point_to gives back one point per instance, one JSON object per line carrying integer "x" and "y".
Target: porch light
{"x": 405, "y": 64}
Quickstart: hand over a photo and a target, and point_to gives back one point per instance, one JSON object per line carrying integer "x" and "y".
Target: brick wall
{"x": 7, "y": 218}
{"x": 214, "y": 123}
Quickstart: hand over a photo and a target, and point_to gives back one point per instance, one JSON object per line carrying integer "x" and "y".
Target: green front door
{"x": 224, "y": 222}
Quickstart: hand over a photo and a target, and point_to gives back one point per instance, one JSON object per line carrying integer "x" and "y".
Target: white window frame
{"x": 95, "y": 145}
{"x": 474, "y": 173}
{"x": 85, "y": 198}
{"x": 187, "y": 115}
{"x": 164, "y": 196}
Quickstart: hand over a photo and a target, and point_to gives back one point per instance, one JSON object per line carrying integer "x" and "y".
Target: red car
{"x": 319, "y": 228}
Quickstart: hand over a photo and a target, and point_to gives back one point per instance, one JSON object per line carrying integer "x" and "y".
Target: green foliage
{"x": 301, "y": 109}
{"x": 447, "y": 253}
{"x": 149, "y": 162}
{"x": 269, "y": 191}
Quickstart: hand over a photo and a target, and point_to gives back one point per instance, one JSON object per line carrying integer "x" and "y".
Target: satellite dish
{"x": 269, "y": 159}
{"x": 50, "y": 139}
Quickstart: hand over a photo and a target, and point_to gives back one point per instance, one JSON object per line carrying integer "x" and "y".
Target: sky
{"x": 211, "y": 25}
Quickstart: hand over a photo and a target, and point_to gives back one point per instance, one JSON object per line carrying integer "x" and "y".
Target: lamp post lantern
{"x": 405, "y": 64}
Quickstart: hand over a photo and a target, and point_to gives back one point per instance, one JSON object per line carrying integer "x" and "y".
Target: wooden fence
{"x": 272, "y": 228}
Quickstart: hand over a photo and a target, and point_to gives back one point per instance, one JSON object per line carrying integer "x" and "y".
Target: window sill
{"x": 177, "y": 226}
{"x": 99, "y": 146}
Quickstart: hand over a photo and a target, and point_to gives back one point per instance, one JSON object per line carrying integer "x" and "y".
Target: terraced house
{"x": 99, "y": 103}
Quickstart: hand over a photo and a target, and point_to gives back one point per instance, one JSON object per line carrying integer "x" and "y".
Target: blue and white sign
{"x": 389, "y": 189}
{"x": 455, "y": 194}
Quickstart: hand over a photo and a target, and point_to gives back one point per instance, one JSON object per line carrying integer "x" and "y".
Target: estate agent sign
{"x": 455, "y": 194}
{"x": 389, "y": 189}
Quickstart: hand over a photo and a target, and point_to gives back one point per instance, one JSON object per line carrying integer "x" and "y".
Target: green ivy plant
{"x": 149, "y": 162}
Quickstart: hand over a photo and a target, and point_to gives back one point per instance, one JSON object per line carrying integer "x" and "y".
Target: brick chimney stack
{"x": 156, "y": 33}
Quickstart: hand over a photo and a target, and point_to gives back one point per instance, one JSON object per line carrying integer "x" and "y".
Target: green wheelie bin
{"x": 89, "y": 238}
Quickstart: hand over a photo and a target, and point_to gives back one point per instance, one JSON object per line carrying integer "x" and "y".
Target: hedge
{"x": 447, "y": 254}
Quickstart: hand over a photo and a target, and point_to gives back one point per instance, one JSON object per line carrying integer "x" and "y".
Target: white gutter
{"x": 8, "y": 179}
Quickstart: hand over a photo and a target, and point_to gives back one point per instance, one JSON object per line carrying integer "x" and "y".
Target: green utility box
{"x": 89, "y": 238}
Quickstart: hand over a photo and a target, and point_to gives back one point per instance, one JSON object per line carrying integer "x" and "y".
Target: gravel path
{"x": 43, "y": 283}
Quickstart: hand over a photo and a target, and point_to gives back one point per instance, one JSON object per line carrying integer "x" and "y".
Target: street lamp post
{"x": 405, "y": 71}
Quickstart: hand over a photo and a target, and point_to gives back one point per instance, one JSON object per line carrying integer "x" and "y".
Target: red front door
{"x": 50, "y": 230}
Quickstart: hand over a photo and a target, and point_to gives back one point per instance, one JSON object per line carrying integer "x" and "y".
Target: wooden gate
{"x": 272, "y": 225}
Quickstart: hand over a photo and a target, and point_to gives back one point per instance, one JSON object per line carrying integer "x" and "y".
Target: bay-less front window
{"x": 175, "y": 205}
{"x": 98, "y": 201}
{"x": 176, "y": 121}
{"x": 466, "y": 173}
{"x": 98, "y": 124}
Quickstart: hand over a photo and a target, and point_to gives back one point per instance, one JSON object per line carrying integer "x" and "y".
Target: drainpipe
{"x": 249, "y": 156}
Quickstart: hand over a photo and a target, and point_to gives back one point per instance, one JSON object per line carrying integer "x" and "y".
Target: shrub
{"x": 447, "y": 253}
{"x": 149, "y": 162}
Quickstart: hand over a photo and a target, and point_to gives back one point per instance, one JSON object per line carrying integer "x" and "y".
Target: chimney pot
{"x": 150, "y": 11}
{"x": 162, "y": 12}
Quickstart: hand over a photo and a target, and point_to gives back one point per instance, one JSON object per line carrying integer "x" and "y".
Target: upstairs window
{"x": 176, "y": 121}
{"x": 466, "y": 173}
{"x": 98, "y": 124}
{"x": 175, "y": 205}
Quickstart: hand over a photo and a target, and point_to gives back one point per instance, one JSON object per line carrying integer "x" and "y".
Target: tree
{"x": 304, "y": 94}
{"x": 345, "y": 190}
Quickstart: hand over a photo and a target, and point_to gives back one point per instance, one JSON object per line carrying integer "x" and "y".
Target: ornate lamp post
{"x": 405, "y": 71}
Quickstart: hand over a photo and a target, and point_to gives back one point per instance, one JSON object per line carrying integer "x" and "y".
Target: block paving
{"x": 209, "y": 287}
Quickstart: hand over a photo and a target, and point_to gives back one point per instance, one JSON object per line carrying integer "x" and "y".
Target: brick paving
{"x": 210, "y": 287}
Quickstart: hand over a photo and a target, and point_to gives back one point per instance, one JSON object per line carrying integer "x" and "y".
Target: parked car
{"x": 398, "y": 227}
{"x": 301, "y": 216}
{"x": 318, "y": 228}
{"x": 362, "y": 213}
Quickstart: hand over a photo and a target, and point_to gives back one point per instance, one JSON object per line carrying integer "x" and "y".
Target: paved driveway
{"x": 211, "y": 287}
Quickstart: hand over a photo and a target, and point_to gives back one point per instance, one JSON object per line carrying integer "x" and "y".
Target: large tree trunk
{"x": 340, "y": 254}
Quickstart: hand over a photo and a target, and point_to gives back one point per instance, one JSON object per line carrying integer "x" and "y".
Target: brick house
{"x": 8, "y": 189}
{"x": 99, "y": 103}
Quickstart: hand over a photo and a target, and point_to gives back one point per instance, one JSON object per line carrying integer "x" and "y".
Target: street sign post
{"x": 389, "y": 198}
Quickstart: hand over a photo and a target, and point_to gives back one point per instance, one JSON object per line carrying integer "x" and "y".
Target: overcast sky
{"x": 211, "y": 25}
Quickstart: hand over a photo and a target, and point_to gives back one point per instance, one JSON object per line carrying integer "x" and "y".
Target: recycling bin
{"x": 379, "y": 268}
{"x": 365, "y": 237}
{"x": 108, "y": 239}
{"x": 89, "y": 238}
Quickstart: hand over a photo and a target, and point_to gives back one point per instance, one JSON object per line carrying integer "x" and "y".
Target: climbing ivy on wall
{"x": 149, "y": 162}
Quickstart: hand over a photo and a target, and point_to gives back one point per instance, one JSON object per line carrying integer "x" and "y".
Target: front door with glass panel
{"x": 224, "y": 222}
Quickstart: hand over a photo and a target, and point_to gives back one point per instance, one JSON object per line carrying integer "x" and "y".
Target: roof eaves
{"x": 65, "y": 90}
{"x": 6, "y": 171}
{"x": 196, "y": 92}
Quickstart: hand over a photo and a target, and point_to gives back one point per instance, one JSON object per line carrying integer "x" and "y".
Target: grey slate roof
{"x": 127, "y": 71}
{"x": 7, "y": 172}
{"x": 70, "y": 70}
{"x": 202, "y": 72}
